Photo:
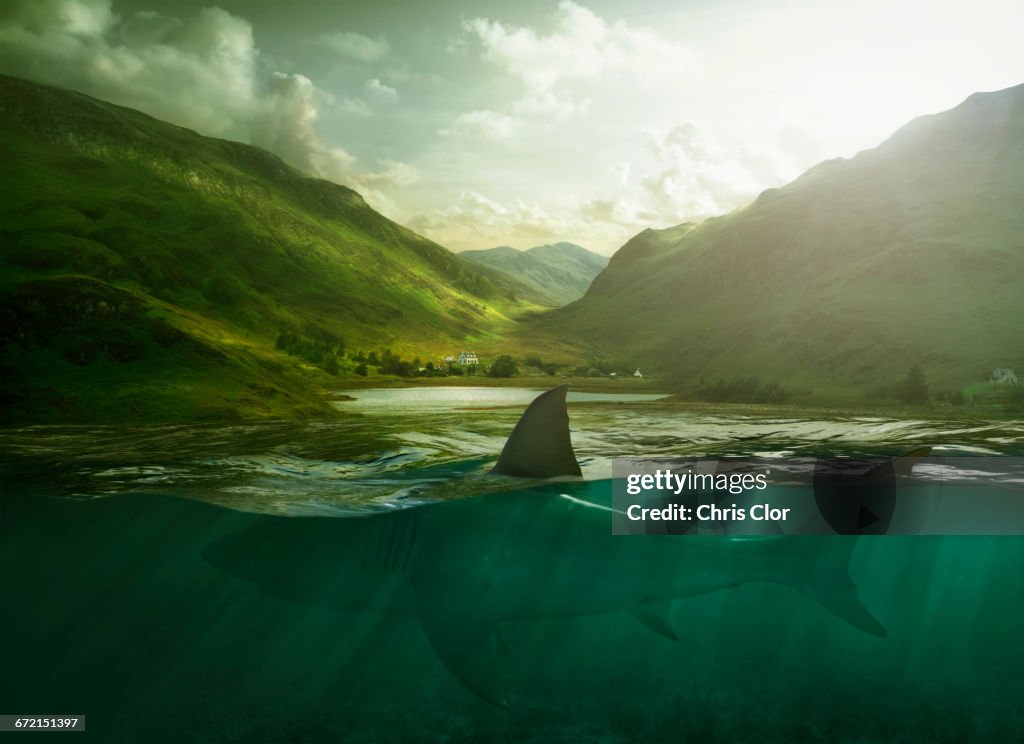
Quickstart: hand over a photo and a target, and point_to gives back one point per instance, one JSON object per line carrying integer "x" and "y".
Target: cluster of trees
{"x": 325, "y": 350}
{"x": 601, "y": 367}
{"x": 534, "y": 360}
{"x": 749, "y": 389}
{"x": 317, "y": 346}
{"x": 913, "y": 388}
{"x": 390, "y": 363}
{"x": 503, "y": 366}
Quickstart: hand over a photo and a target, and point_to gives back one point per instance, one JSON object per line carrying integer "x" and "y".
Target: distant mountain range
{"x": 150, "y": 273}
{"x": 555, "y": 274}
{"x": 909, "y": 253}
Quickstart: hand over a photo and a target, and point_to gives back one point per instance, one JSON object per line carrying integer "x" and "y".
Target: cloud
{"x": 380, "y": 93}
{"x": 489, "y": 125}
{"x": 581, "y": 46}
{"x": 700, "y": 175}
{"x": 199, "y": 72}
{"x": 286, "y": 123}
{"x": 689, "y": 172}
{"x": 391, "y": 173}
{"x": 697, "y": 175}
{"x": 352, "y": 106}
{"x": 546, "y": 104}
{"x": 355, "y": 46}
{"x": 694, "y": 175}
{"x": 476, "y": 221}
{"x": 203, "y": 72}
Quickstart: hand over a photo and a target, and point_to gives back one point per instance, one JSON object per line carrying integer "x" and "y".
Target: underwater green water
{"x": 110, "y": 610}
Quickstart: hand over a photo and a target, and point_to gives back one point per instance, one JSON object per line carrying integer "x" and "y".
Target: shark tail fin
{"x": 827, "y": 580}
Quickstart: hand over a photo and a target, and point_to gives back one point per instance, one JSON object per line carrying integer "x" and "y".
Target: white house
{"x": 1005, "y": 375}
{"x": 637, "y": 373}
{"x": 468, "y": 357}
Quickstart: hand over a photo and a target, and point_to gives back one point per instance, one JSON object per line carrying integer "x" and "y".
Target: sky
{"x": 484, "y": 123}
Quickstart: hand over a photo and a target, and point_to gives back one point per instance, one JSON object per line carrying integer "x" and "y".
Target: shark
{"x": 466, "y": 567}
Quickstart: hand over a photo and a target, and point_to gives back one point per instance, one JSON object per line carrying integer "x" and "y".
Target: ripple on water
{"x": 412, "y": 444}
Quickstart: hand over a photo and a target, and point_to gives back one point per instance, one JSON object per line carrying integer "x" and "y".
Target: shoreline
{"x": 838, "y": 406}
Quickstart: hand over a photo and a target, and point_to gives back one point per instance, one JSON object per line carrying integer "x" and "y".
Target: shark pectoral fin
{"x": 828, "y": 581}
{"x": 463, "y": 633}
{"x": 840, "y": 598}
{"x": 655, "y": 615}
{"x": 540, "y": 445}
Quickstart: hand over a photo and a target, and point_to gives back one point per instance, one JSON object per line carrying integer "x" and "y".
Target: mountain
{"x": 909, "y": 253}
{"x": 152, "y": 273}
{"x": 556, "y": 274}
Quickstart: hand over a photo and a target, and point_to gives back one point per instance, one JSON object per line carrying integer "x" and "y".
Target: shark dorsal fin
{"x": 540, "y": 446}
{"x": 905, "y": 464}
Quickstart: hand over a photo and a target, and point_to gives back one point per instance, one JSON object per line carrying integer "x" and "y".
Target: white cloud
{"x": 550, "y": 105}
{"x": 380, "y": 93}
{"x": 697, "y": 175}
{"x": 581, "y": 46}
{"x": 692, "y": 175}
{"x": 700, "y": 175}
{"x": 199, "y": 72}
{"x": 391, "y": 173}
{"x": 286, "y": 123}
{"x": 353, "y": 106}
{"x": 477, "y": 221}
{"x": 490, "y": 125}
{"x": 203, "y": 72}
{"x": 355, "y": 46}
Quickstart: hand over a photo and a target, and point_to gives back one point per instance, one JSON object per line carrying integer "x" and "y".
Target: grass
{"x": 840, "y": 281}
{"x": 148, "y": 273}
{"x": 208, "y": 250}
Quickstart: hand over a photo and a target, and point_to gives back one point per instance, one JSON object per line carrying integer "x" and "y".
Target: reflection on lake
{"x": 403, "y": 445}
{"x": 399, "y": 401}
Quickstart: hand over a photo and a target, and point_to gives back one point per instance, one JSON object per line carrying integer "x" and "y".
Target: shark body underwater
{"x": 465, "y": 567}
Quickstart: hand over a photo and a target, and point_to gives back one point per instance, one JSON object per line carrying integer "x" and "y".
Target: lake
{"x": 113, "y": 613}
{"x": 399, "y": 442}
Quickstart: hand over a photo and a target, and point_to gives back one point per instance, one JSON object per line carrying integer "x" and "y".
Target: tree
{"x": 503, "y": 366}
{"x": 914, "y": 388}
{"x": 329, "y": 364}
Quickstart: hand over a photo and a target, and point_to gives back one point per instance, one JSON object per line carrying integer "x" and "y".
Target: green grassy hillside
{"x": 910, "y": 253}
{"x": 556, "y": 274}
{"x": 150, "y": 272}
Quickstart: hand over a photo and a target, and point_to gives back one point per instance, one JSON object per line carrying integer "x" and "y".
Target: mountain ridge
{"x": 220, "y": 242}
{"x": 556, "y": 273}
{"x": 910, "y": 252}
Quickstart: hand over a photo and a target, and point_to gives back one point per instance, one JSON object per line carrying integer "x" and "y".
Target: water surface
{"x": 111, "y": 611}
